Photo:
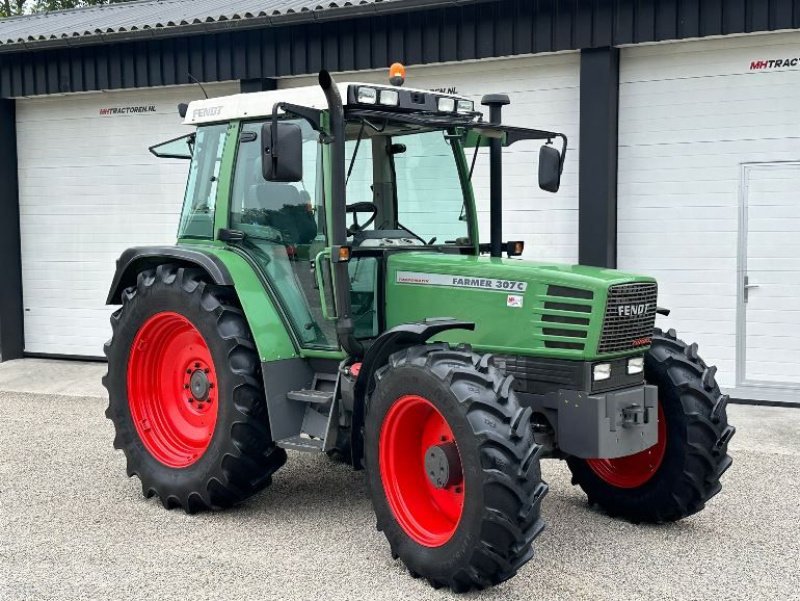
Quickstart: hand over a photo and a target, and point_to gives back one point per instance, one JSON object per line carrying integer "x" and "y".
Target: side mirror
{"x": 550, "y": 165}
{"x": 282, "y": 152}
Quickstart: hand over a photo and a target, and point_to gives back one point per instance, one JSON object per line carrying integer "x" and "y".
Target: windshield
{"x": 404, "y": 185}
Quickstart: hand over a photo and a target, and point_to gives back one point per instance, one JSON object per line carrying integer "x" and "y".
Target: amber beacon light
{"x": 397, "y": 74}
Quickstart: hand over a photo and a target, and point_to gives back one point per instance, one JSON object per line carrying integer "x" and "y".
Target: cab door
{"x": 284, "y": 231}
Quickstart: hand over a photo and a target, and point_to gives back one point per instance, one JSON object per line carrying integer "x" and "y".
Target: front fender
{"x": 391, "y": 341}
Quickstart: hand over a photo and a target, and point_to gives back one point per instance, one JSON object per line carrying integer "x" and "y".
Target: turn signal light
{"x": 344, "y": 254}
{"x": 514, "y": 249}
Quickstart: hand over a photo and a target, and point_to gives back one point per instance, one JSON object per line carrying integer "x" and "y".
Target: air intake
{"x": 566, "y": 316}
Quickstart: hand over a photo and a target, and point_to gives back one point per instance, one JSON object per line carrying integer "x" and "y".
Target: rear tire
{"x": 691, "y": 455}
{"x": 172, "y": 323}
{"x": 477, "y": 529}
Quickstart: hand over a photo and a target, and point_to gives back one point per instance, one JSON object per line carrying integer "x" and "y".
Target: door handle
{"x": 327, "y": 314}
{"x": 747, "y": 287}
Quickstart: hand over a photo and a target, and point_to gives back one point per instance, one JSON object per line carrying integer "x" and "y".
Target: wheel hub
{"x": 442, "y": 465}
{"x": 199, "y": 385}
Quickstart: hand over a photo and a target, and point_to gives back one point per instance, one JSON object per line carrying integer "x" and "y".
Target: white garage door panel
{"x": 544, "y": 93}
{"x": 690, "y": 115}
{"x": 89, "y": 189}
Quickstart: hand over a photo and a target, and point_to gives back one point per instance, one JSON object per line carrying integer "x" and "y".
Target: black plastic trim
{"x": 135, "y": 259}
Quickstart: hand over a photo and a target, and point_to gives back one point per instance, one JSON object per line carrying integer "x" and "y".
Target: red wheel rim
{"x": 429, "y": 515}
{"x": 172, "y": 389}
{"x": 634, "y": 470}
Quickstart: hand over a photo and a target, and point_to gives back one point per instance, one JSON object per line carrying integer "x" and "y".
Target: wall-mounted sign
{"x": 446, "y": 90}
{"x": 774, "y": 63}
{"x": 127, "y": 110}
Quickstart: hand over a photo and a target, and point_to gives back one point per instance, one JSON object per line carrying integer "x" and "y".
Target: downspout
{"x": 338, "y": 233}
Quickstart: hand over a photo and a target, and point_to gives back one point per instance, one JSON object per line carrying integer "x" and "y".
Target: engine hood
{"x": 519, "y": 306}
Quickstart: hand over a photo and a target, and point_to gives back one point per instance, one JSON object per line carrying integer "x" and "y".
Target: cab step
{"x": 301, "y": 443}
{"x": 315, "y": 397}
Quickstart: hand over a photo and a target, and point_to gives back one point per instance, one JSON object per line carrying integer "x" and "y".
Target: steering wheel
{"x": 360, "y": 207}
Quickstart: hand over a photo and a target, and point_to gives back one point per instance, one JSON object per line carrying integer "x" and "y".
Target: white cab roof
{"x": 259, "y": 104}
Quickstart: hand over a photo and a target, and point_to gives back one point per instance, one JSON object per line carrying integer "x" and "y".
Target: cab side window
{"x": 197, "y": 217}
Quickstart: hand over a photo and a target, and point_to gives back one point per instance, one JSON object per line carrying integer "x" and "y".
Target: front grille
{"x": 630, "y": 317}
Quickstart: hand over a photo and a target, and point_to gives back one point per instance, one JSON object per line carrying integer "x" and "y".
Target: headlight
{"x": 367, "y": 96}
{"x": 465, "y": 106}
{"x": 389, "y": 97}
{"x": 635, "y": 365}
{"x": 601, "y": 371}
{"x": 446, "y": 105}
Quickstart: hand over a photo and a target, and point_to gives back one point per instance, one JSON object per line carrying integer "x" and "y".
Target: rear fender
{"x": 223, "y": 268}
{"x": 136, "y": 259}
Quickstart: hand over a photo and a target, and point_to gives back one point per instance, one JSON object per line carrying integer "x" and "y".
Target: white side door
{"x": 769, "y": 278}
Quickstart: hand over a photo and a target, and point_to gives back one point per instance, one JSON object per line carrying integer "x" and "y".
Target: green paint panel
{"x": 501, "y": 325}
{"x": 270, "y": 333}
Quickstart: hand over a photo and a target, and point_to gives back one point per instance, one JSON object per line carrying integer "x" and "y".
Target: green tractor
{"x": 329, "y": 293}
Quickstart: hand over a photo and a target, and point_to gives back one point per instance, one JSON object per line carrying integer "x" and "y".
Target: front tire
{"x": 678, "y": 475}
{"x": 185, "y": 392}
{"x": 452, "y": 467}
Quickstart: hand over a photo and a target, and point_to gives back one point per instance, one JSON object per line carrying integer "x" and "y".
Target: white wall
{"x": 690, "y": 115}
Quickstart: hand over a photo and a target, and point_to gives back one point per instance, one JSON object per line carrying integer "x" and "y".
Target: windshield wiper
{"x": 355, "y": 152}
{"x": 462, "y": 215}
{"x": 401, "y": 226}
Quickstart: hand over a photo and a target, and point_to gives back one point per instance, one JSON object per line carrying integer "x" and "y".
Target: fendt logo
{"x": 632, "y": 310}
{"x": 774, "y": 63}
{"x": 211, "y": 111}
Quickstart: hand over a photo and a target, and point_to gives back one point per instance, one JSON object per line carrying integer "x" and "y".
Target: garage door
{"x": 692, "y": 115}
{"x": 544, "y": 93}
{"x": 89, "y": 189}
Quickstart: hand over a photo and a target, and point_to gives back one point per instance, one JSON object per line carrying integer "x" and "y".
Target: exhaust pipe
{"x": 495, "y": 102}
{"x": 338, "y": 234}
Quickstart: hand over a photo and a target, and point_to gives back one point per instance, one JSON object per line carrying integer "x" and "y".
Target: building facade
{"x": 684, "y": 145}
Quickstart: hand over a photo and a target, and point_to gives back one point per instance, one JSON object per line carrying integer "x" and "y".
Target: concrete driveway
{"x": 73, "y": 526}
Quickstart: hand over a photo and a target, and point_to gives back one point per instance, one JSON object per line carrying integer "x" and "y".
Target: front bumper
{"x": 607, "y": 425}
